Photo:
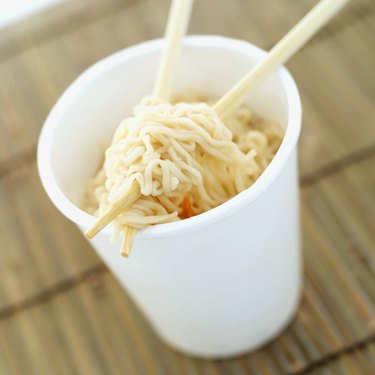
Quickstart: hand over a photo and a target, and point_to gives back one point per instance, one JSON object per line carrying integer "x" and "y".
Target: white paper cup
{"x": 223, "y": 282}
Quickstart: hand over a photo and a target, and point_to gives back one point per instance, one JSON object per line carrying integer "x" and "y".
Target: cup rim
{"x": 83, "y": 219}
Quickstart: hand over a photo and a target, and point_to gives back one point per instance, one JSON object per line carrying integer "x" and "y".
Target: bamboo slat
{"x": 61, "y": 311}
{"x": 33, "y": 258}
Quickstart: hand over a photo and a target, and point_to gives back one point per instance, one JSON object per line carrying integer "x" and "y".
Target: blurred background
{"x": 17, "y": 10}
{"x": 61, "y": 311}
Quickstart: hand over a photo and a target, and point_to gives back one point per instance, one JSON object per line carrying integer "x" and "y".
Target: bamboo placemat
{"x": 62, "y": 312}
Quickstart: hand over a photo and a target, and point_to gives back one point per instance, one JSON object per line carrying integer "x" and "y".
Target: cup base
{"x": 234, "y": 353}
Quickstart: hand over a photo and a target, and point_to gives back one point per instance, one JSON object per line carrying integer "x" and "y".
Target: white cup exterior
{"x": 223, "y": 282}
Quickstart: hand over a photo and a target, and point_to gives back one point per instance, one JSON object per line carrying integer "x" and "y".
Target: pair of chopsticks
{"x": 176, "y": 28}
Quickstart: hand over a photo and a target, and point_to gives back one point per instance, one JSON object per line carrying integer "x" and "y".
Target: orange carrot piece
{"x": 187, "y": 209}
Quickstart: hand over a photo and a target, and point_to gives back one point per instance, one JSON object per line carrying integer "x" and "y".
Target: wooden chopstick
{"x": 178, "y": 20}
{"x": 280, "y": 53}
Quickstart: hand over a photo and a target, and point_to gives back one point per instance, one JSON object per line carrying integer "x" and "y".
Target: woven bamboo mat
{"x": 62, "y": 312}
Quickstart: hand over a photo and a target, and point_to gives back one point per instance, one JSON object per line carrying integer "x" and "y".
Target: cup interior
{"x": 82, "y": 122}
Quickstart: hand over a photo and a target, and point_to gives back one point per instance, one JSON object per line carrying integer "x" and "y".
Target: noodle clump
{"x": 184, "y": 158}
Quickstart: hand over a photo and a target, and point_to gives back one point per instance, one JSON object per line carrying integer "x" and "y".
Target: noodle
{"x": 184, "y": 158}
